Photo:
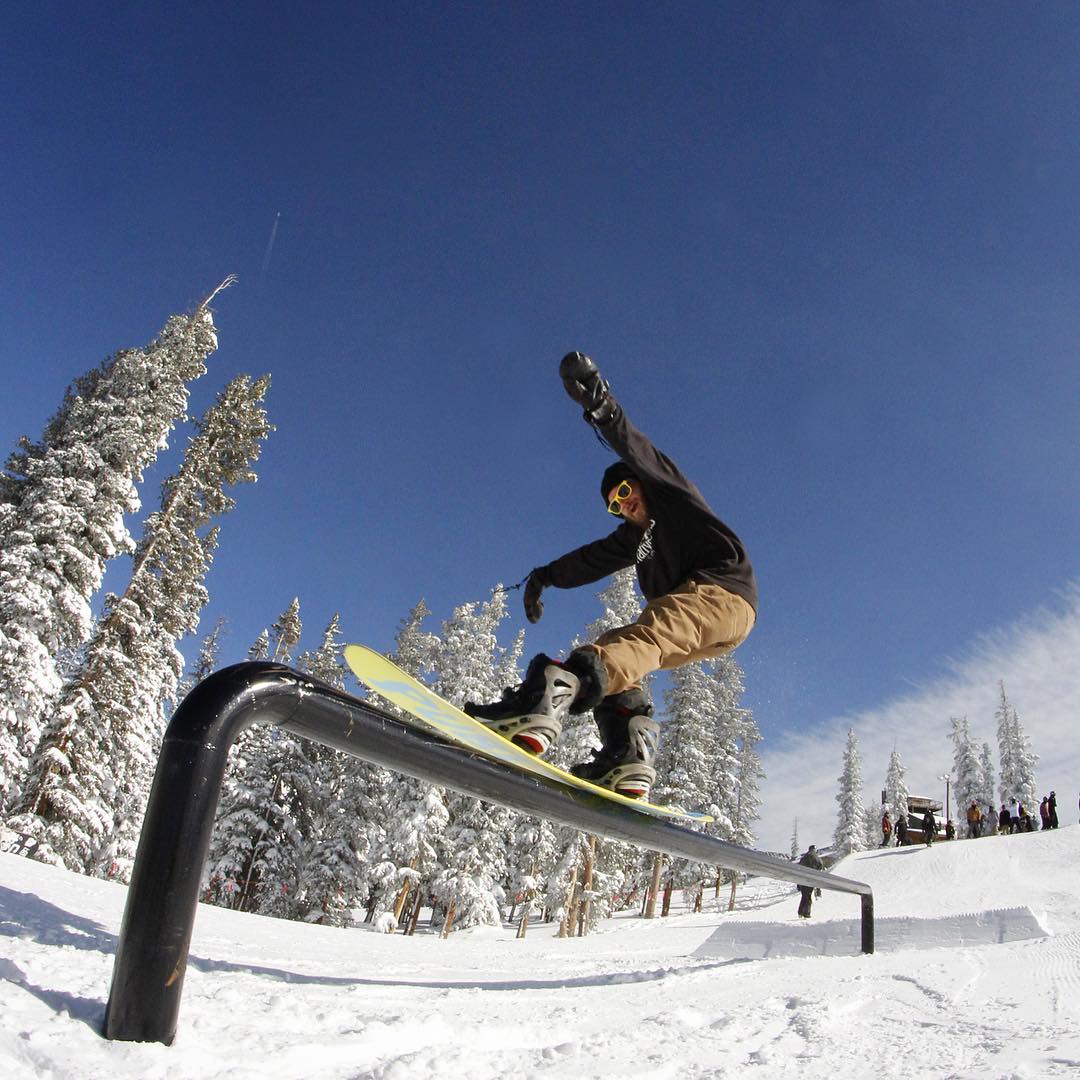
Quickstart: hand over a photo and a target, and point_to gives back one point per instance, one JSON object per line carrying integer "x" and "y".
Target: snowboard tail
{"x": 433, "y": 712}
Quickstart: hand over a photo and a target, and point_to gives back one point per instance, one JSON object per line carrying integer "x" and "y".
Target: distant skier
{"x": 929, "y": 825}
{"x": 806, "y": 892}
{"x": 693, "y": 571}
{"x": 886, "y": 829}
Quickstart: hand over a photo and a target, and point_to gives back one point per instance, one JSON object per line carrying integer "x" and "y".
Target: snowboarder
{"x": 693, "y": 571}
{"x": 886, "y": 829}
{"x": 806, "y": 892}
{"x": 901, "y": 831}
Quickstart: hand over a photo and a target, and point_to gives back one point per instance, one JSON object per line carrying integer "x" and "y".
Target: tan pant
{"x": 696, "y": 621}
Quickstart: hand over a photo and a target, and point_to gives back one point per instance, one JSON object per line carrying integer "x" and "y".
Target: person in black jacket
{"x": 693, "y": 571}
{"x": 929, "y": 825}
{"x": 806, "y": 892}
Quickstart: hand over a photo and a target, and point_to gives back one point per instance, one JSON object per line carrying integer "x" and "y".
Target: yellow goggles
{"x": 622, "y": 492}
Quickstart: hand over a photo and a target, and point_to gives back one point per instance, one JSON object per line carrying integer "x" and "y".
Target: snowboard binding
{"x": 624, "y": 763}
{"x": 532, "y": 715}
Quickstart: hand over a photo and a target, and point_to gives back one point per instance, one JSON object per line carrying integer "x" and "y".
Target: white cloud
{"x": 1038, "y": 658}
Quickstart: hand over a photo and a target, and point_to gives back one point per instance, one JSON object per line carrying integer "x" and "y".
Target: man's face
{"x": 631, "y": 502}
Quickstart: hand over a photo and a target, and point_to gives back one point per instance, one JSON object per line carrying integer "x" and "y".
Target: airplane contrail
{"x": 269, "y": 249}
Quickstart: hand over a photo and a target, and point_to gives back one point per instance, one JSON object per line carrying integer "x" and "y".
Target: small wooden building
{"x": 917, "y": 807}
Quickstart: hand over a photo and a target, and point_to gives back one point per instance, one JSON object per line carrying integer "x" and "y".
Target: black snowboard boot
{"x": 630, "y": 737}
{"x": 532, "y": 714}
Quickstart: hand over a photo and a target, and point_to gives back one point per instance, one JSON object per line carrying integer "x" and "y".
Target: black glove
{"x": 583, "y": 382}
{"x": 534, "y": 606}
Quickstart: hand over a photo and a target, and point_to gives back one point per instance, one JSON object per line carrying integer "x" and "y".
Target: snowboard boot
{"x": 532, "y": 714}
{"x": 630, "y": 737}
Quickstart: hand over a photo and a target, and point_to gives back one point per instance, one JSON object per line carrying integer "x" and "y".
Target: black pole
{"x": 155, "y": 936}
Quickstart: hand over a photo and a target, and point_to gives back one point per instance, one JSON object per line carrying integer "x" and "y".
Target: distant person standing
{"x": 1051, "y": 805}
{"x": 1044, "y": 812}
{"x": 806, "y": 892}
{"x": 929, "y": 827}
{"x": 901, "y": 831}
{"x": 974, "y": 820}
{"x": 1004, "y": 820}
{"x": 886, "y": 829}
{"x": 1014, "y": 816}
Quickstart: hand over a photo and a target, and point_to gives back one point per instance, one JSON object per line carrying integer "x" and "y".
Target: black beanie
{"x": 615, "y": 474}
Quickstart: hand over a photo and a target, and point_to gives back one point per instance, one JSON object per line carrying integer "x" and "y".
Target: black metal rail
{"x": 148, "y": 974}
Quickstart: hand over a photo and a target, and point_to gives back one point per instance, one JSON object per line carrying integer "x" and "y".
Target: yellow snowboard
{"x": 385, "y": 677}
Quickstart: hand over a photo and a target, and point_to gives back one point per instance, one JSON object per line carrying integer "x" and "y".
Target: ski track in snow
{"x": 977, "y": 976}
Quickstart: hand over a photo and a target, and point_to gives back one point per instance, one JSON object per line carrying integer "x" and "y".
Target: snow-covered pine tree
{"x": 967, "y": 772}
{"x": 850, "y": 828}
{"x": 206, "y": 662}
{"x": 64, "y": 504}
{"x": 986, "y": 779}
{"x": 405, "y": 818}
{"x": 871, "y": 826}
{"x": 708, "y": 759}
{"x": 255, "y": 846}
{"x": 687, "y": 766}
{"x": 1017, "y": 759}
{"x": 332, "y": 845}
{"x": 285, "y": 633}
{"x": 473, "y": 864}
{"x": 620, "y": 603}
{"x": 795, "y": 850}
{"x": 746, "y": 810}
{"x": 87, "y": 786}
{"x": 896, "y": 792}
{"x": 260, "y": 647}
{"x": 739, "y": 732}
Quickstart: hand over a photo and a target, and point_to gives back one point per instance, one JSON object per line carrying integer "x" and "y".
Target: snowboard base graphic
{"x": 387, "y": 679}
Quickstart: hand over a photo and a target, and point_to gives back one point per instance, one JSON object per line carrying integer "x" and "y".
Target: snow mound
{"x": 843, "y": 937}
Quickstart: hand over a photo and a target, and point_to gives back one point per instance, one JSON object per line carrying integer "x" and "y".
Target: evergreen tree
{"x": 967, "y": 771}
{"x": 795, "y": 851}
{"x": 739, "y": 739}
{"x": 986, "y": 779}
{"x": 1017, "y": 759}
{"x": 708, "y": 759}
{"x": 64, "y": 501}
{"x": 206, "y": 662}
{"x": 255, "y": 849}
{"x": 285, "y": 633}
{"x": 472, "y": 666}
{"x": 89, "y": 780}
{"x": 747, "y": 806}
{"x": 849, "y": 835}
{"x": 260, "y": 647}
{"x": 328, "y": 885}
{"x": 405, "y": 818}
{"x": 896, "y": 792}
{"x": 620, "y": 603}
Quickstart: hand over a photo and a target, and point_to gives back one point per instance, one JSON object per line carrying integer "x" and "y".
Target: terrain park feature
{"x": 162, "y": 899}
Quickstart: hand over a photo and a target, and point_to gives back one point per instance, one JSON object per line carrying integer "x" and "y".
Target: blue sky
{"x": 827, "y": 254}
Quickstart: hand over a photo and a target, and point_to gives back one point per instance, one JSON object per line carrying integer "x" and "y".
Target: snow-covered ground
{"x": 977, "y": 974}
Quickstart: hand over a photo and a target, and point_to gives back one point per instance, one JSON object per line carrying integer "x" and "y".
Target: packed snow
{"x": 976, "y": 974}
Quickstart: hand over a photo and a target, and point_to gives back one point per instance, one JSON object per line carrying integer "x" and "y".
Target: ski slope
{"x": 977, "y": 975}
